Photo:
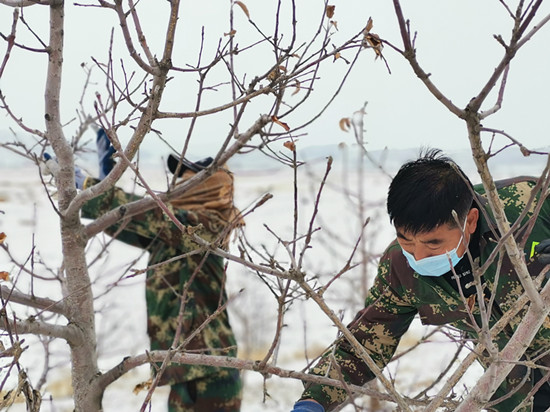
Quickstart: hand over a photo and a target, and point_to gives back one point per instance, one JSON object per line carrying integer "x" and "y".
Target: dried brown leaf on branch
{"x": 297, "y": 87}
{"x": 330, "y": 11}
{"x": 345, "y": 124}
{"x": 372, "y": 39}
{"x": 3, "y": 237}
{"x": 231, "y": 33}
{"x": 285, "y": 126}
{"x": 276, "y": 72}
{"x": 244, "y": 8}
{"x": 290, "y": 145}
{"x": 370, "y": 23}
{"x": 273, "y": 74}
{"x": 4, "y": 276}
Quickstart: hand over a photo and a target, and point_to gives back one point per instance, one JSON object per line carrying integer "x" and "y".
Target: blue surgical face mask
{"x": 435, "y": 265}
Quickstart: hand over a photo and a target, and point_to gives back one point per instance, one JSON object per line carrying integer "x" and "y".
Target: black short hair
{"x": 424, "y": 192}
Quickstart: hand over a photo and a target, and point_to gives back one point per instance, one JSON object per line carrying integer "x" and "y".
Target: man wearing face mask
{"x": 442, "y": 225}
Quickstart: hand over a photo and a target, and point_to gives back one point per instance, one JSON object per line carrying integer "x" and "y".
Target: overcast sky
{"x": 454, "y": 43}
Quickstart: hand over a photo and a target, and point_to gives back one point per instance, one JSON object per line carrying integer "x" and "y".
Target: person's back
{"x": 185, "y": 285}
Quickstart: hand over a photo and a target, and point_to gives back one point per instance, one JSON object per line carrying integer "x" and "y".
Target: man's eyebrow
{"x": 400, "y": 235}
{"x": 435, "y": 241}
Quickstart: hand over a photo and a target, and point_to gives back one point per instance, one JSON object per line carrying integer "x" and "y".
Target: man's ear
{"x": 471, "y": 220}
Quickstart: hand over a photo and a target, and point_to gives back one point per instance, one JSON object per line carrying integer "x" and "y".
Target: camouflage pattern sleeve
{"x": 378, "y": 327}
{"x": 139, "y": 230}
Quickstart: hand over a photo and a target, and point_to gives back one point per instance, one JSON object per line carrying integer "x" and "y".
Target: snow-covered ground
{"x": 31, "y": 225}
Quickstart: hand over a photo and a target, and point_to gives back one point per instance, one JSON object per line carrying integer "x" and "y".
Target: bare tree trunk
{"x": 76, "y": 282}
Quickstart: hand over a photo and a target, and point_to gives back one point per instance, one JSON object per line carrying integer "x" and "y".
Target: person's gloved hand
{"x": 308, "y": 406}
{"x": 542, "y": 252}
{"x": 105, "y": 151}
{"x": 51, "y": 167}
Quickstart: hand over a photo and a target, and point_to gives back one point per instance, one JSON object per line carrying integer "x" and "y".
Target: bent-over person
{"x": 427, "y": 272}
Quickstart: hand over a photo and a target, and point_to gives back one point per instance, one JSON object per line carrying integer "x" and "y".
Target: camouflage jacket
{"x": 193, "y": 282}
{"x": 399, "y": 294}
